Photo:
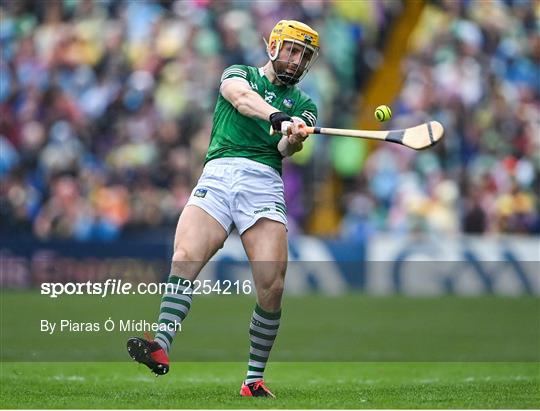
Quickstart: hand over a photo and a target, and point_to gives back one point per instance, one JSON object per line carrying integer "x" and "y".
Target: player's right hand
{"x": 298, "y": 132}
{"x": 277, "y": 118}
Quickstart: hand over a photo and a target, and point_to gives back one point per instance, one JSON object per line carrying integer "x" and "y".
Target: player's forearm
{"x": 286, "y": 148}
{"x": 292, "y": 142}
{"x": 250, "y": 104}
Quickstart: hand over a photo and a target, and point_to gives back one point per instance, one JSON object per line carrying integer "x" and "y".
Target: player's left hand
{"x": 298, "y": 131}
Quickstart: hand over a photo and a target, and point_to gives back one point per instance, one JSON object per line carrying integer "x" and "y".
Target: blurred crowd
{"x": 475, "y": 67}
{"x": 106, "y": 106}
{"x": 106, "y": 111}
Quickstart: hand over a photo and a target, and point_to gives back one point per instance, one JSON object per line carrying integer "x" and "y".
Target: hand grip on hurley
{"x": 418, "y": 138}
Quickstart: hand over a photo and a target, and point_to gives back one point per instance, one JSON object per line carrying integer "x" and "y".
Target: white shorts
{"x": 237, "y": 192}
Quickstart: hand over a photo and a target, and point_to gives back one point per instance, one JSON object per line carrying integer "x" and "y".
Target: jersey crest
{"x": 288, "y": 102}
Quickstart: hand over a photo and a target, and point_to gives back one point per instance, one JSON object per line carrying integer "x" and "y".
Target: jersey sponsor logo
{"x": 254, "y": 86}
{"x": 269, "y": 96}
{"x": 288, "y": 102}
{"x": 200, "y": 192}
{"x": 262, "y": 210}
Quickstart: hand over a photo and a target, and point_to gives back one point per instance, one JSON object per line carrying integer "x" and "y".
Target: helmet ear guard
{"x": 268, "y": 50}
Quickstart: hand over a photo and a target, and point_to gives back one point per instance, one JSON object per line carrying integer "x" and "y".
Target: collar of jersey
{"x": 261, "y": 73}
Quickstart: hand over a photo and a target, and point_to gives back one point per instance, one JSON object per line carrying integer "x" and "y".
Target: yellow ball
{"x": 383, "y": 113}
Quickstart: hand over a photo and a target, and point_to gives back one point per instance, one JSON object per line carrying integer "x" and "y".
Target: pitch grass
{"x": 297, "y": 385}
{"x": 314, "y": 328}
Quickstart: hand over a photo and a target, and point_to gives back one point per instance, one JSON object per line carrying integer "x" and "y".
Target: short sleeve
{"x": 235, "y": 71}
{"x": 308, "y": 113}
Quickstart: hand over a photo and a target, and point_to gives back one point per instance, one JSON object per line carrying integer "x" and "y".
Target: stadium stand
{"x": 105, "y": 114}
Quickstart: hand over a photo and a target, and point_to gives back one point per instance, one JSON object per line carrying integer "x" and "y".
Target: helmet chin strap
{"x": 285, "y": 78}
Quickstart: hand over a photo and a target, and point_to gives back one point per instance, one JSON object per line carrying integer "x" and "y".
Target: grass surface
{"x": 314, "y": 328}
{"x": 296, "y": 385}
{"x": 351, "y": 351}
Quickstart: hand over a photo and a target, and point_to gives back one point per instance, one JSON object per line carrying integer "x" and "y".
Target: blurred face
{"x": 292, "y": 61}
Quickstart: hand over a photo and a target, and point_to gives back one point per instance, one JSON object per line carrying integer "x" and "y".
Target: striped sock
{"x": 175, "y": 305}
{"x": 262, "y": 333}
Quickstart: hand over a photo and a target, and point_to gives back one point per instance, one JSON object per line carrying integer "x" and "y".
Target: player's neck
{"x": 270, "y": 74}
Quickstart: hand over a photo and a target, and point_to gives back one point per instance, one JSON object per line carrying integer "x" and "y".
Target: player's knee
{"x": 181, "y": 254}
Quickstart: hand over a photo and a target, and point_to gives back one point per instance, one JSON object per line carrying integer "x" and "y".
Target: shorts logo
{"x": 288, "y": 102}
{"x": 200, "y": 192}
{"x": 262, "y": 210}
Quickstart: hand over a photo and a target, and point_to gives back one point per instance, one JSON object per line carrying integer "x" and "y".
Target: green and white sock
{"x": 262, "y": 334}
{"x": 175, "y": 305}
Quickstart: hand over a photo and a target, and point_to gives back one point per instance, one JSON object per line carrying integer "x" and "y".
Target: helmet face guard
{"x": 290, "y": 68}
{"x": 292, "y": 48}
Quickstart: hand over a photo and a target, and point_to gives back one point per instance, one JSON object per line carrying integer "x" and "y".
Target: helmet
{"x": 287, "y": 69}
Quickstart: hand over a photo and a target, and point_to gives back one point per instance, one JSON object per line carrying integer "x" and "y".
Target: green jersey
{"x": 235, "y": 135}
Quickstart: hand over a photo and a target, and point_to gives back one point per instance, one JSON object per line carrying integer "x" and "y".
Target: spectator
{"x": 105, "y": 110}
